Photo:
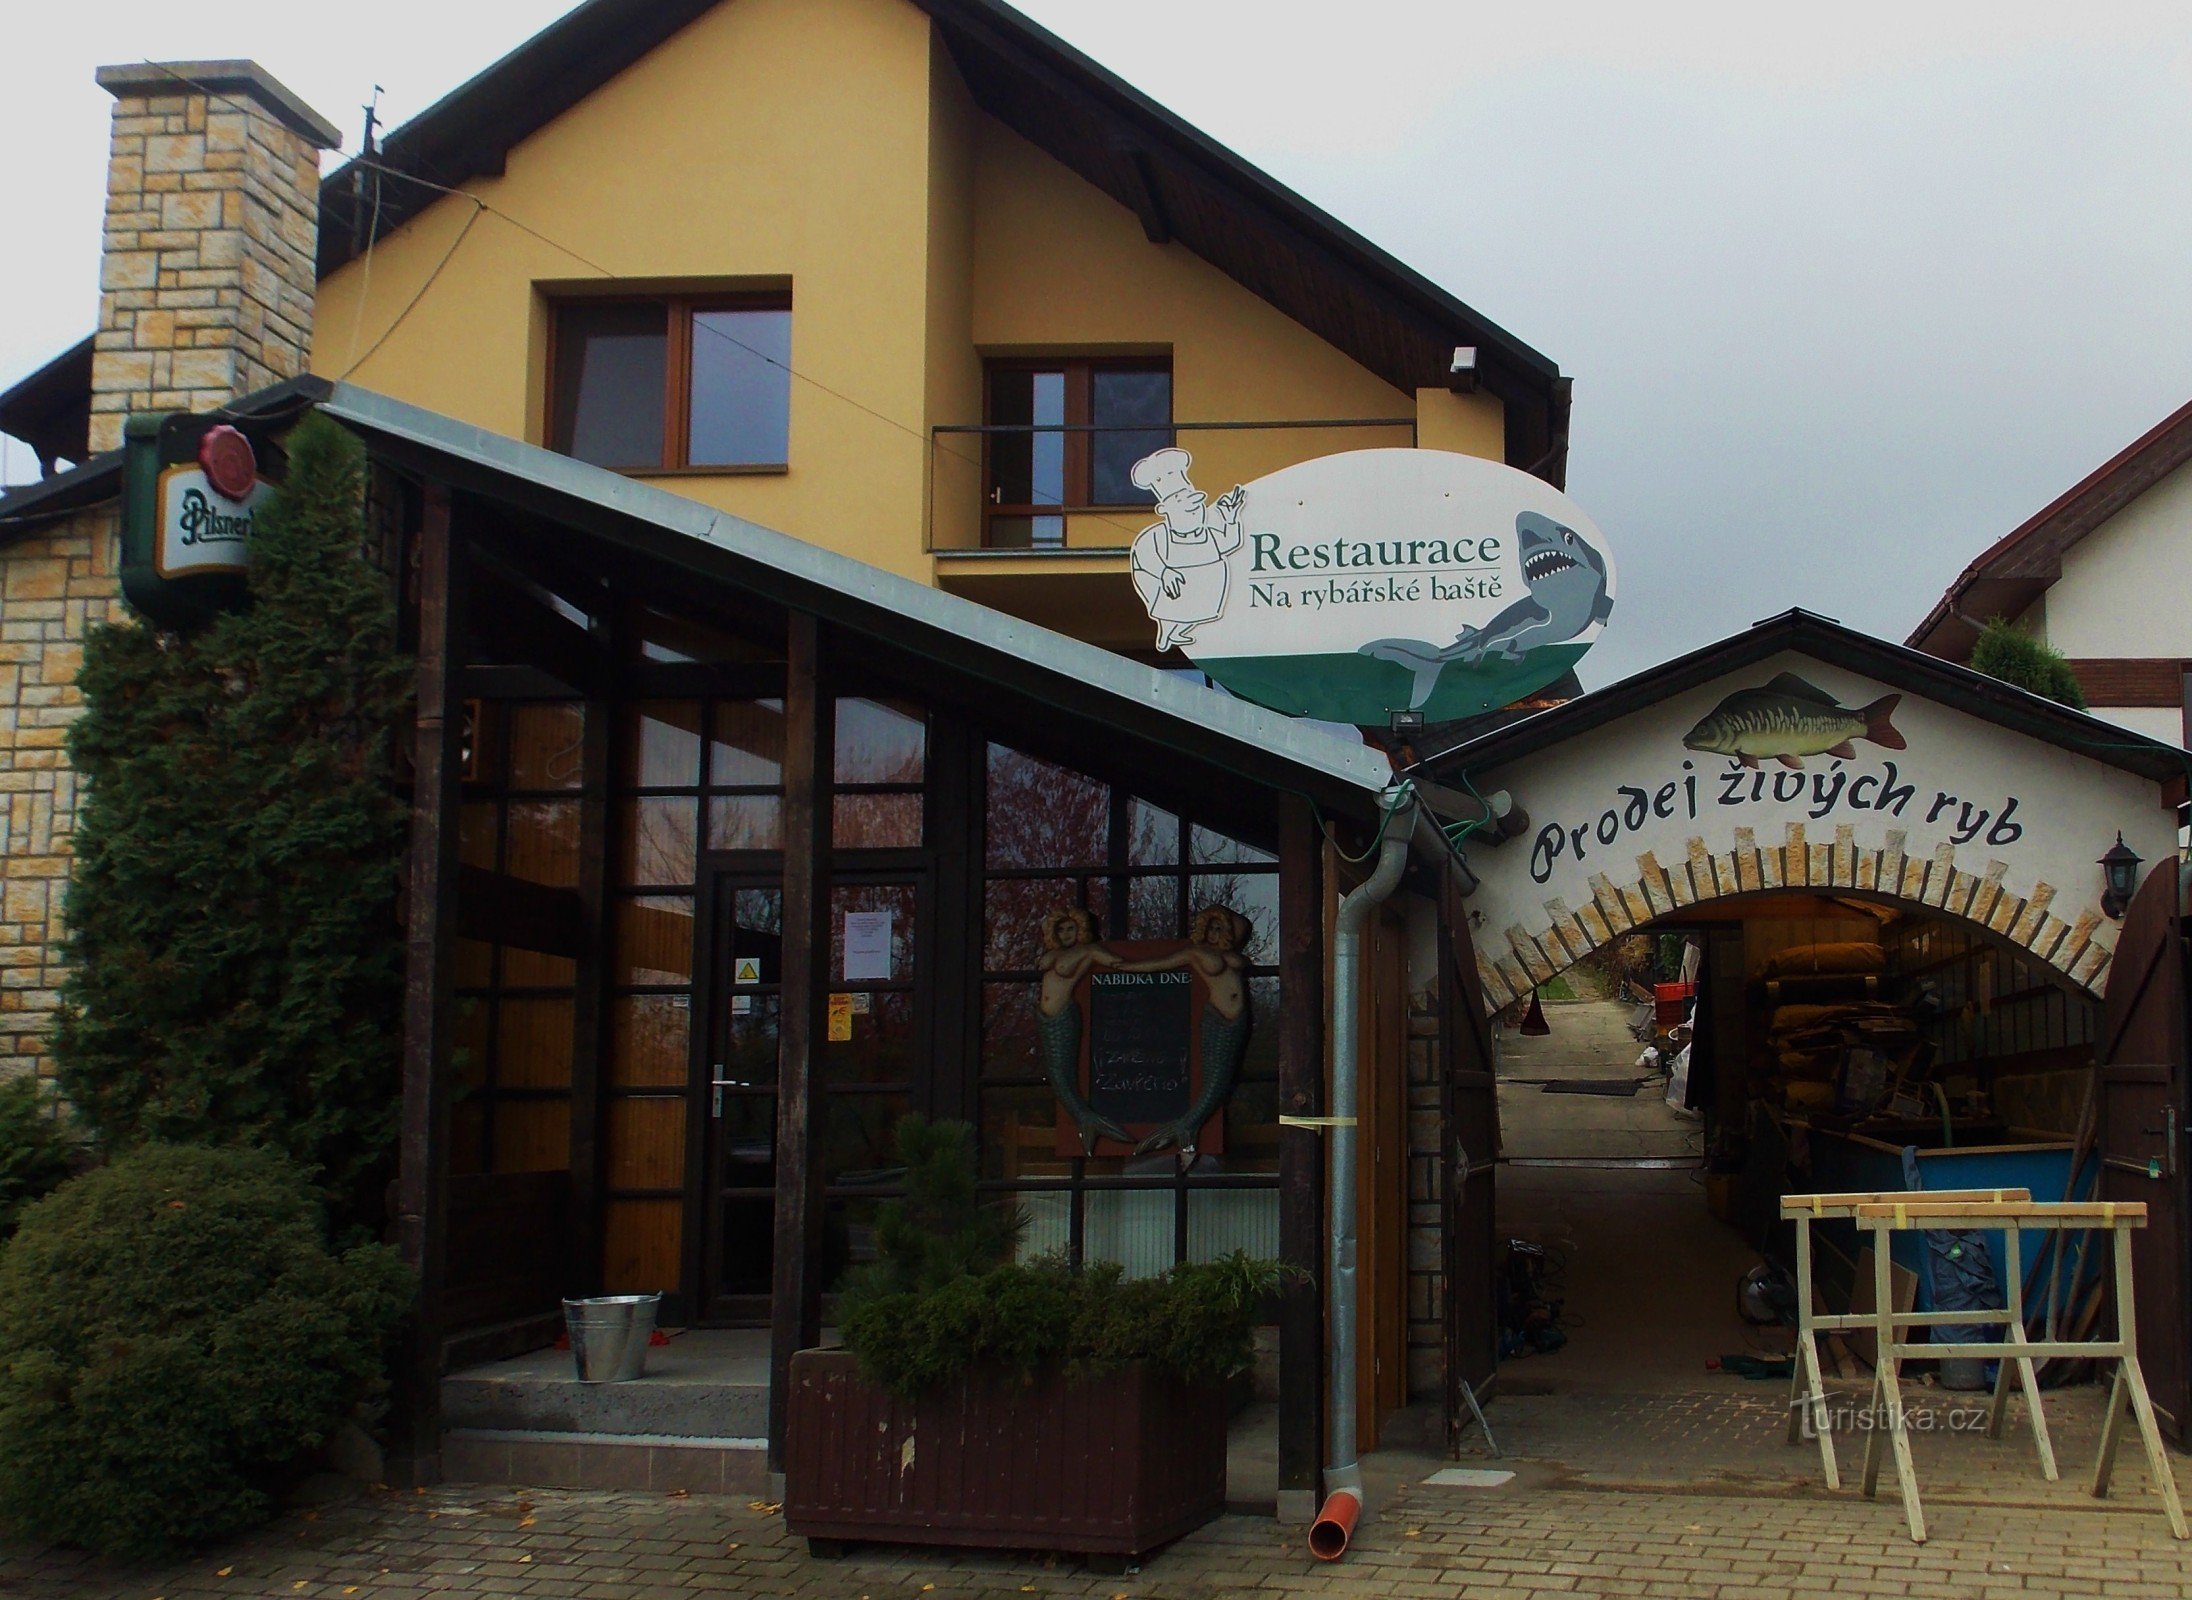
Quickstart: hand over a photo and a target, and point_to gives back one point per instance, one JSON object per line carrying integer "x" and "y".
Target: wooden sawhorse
{"x": 1807, "y": 1383}
{"x": 1936, "y": 1212}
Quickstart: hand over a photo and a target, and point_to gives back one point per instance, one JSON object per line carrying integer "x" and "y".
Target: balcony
{"x": 1064, "y": 565}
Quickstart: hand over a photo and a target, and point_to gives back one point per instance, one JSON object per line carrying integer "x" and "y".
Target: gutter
{"x": 1334, "y": 1528}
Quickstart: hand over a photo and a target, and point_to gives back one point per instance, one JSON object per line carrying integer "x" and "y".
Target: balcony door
{"x": 1063, "y": 436}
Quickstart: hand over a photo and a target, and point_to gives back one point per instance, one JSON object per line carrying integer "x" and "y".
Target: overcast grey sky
{"x": 1847, "y": 289}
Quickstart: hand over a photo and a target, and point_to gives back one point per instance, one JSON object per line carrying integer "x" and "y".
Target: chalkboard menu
{"x": 1141, "y": 1044}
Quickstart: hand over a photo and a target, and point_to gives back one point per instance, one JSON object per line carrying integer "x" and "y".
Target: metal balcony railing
{"x": 968, "y": 476}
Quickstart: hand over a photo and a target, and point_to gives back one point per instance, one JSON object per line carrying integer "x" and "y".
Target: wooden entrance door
{"x": 741, "y": 968}
{"x": 2143, "y": 1125}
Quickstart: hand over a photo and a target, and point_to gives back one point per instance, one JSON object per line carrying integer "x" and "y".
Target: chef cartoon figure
{"x": 1179, "y": 563}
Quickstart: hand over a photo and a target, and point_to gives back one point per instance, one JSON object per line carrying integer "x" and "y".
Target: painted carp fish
{"x": 1790, "y": 719}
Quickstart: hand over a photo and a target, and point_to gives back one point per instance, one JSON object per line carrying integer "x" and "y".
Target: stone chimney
{"x": 212, "y": 228}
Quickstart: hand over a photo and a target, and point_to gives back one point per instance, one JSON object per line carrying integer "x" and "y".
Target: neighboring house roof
{"x": 957, "y": 635}
{"x": 50, "y": 410}
{"x": 1973, "y": 693}
{"x": 2021, "y": 566}
{"x": 1182, "y": 184}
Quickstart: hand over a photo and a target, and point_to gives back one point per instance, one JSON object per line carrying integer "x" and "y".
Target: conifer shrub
{"x": 943, "y": 1297}
{"x": 175, "y": 1335}
{"x": 36, "y": 1152}
{"x": 234, "y": 955}
{"x": 2007, "y": 652}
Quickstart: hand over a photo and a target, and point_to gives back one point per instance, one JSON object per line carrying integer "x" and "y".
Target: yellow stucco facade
{"x": 831, "y": 147}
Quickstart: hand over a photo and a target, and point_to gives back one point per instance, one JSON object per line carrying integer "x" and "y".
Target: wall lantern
{"x": 2120, "y": 873}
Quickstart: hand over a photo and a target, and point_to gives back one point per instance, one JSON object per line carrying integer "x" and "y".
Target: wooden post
{"x": 794, "y": 1296}
{"x": 429, "y": 961}
{"x": 589, "y": 1033}
{"x": 1301, "y": 1157}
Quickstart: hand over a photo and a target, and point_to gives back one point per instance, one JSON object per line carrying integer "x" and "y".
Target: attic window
{"x": 673, "y": 384}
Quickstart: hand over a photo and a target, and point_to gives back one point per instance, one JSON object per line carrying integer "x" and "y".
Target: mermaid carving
{"x": 1215, "y": 939}
{"x": 1070, "y": 952}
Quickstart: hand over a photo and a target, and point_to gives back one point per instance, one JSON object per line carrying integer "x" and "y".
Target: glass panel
{"x": 1207, "y": 847}
{"x": 1153, "y": 909}
{"x": 880, "y": 741}
{"x": 1152, "y": 835}
{"x": 475, "y": 963}
{"x": 1137, "y": 400}
{"x": 748, "y": 1256}
{"x": 662, "y": 745}
{"x": 659, "y": 636}
{"x": 860, "y": 1140}
{"x": 747, "y": 822}
{"x": 848, "y": 1238}
{"x": 649, "y": 1038}
{"x": 1027, "y": 469}
{"x": 469, "y": 1035}
{"x": 1010, "y": 1047}
{"x": 1255, "y": 895}
{"x": 1046, "y": 1224}
{"x": 467, "y": 1136}
{"x": 1027, "y": 533}
{"x": 875, "y": 821}
{"x": 1012, "y": 920}
{"x": 895, "y": 900}
{"x": 880, "y": 1051}
{"x": 1039, "y": 815}
{"x": 543, "y": 842}
{"x": 533, "y": 1045}
{"x": 748, "y": 749}
{"x": 478, "y": 822}
{"x": 757, "y": 930}
{"x": 1130, "y": 1226}
{"x": 1251, "y": 1127}
{"x": 646, "y": 1142}
{"x": 612, "y": 372}
{"x": 536, "y": 969}
{"x": 532, "y": 1135}
{"x": 654, "y": 940}
{"x": 742, "y": 388}
{"x": 547, "y": 744}
{"x": 1020, "y": 1135}
{"x": 748, "y": 1134}
{"x": 1261, "y": 1059}
{"x": 749, "y": 1060}
{"x": 655, "y": 842}
{"x": 1223, "y": 1220}
{"x": 640, "y": 1245}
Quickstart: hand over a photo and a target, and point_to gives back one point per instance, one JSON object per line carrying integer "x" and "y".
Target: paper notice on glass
{"x": 867, "y": 946}
{"x": 840, "y": 1018}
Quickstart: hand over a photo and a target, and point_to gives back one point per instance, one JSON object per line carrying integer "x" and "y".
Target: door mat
{"x": 1623, "y": 1087}
{"x": 1469, "y": 1478}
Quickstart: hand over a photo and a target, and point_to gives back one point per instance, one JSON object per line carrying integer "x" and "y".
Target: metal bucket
{"x": 609, "y": 1335}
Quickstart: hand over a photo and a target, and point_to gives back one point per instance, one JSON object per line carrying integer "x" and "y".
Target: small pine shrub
{"x": 942, "y": 1296}
{"x": 36, "y": 1153}
{"x": 175, "y": 1335}
{"x": 2007, "y": 652}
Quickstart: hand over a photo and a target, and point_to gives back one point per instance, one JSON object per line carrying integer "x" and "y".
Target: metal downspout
{"x": 1335, "y": 1524}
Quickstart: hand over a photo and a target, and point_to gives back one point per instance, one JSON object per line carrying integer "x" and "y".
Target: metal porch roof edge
{"x": 852, "y": 591}
{"x": 1913, "y": 670}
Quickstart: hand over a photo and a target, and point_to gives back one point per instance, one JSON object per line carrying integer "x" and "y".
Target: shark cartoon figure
{"x": 1567, "y": 583}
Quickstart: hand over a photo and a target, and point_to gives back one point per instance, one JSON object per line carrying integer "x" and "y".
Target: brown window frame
{"x": 677, "y": 397}
{"x": 1080, "y": 458}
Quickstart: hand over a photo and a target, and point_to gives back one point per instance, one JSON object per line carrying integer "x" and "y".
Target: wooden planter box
{"x": 1109, "y": 1467}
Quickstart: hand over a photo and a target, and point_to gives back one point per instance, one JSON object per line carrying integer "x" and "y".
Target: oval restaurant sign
{"x": 1355, "y": 585}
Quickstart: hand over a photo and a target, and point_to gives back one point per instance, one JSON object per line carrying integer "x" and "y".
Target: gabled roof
{"x": 50, "y": 409}
{"x": 1159, "y": 708}
{"x": 1973, "y": 693}
{"x": 1181, "y": 183}
{"x": 2020, "y": 566}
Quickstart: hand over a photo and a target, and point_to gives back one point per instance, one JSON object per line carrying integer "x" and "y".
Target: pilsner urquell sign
{"x": 1359, "y": 584}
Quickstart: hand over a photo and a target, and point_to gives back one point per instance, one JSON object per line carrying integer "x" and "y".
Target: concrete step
{"x": 711, "y": 1384}
{"x": 563, "y": 1460}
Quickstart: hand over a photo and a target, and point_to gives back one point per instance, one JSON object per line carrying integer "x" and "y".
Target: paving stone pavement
{"x": 1546, "y": 1534}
